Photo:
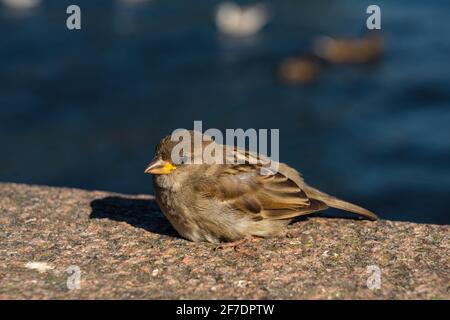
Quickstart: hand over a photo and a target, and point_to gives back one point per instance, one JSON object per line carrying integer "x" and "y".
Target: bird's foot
{"x": 234, "y": 244}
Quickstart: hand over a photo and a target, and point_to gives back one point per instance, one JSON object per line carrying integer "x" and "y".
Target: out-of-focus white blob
{"x": 236, "y": 21}
{"x": 21, "y": 4}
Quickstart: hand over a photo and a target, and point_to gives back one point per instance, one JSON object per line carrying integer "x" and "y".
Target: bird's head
{"x": 162, "y": 162}
{"x": 176, "y": 156}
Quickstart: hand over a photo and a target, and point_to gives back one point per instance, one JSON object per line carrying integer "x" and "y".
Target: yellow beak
{"x": 159, "y": 166}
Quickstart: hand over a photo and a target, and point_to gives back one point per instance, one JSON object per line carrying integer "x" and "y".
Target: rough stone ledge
{"x": 125, "y": 248}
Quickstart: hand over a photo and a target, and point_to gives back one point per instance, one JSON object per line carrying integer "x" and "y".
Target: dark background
{"x": 86, "y": 108}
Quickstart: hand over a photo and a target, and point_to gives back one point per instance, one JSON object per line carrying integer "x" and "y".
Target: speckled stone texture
{"x": 126, "y": 249}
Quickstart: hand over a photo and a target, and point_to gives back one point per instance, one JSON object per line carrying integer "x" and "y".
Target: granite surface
{"x": 122, "y": 247}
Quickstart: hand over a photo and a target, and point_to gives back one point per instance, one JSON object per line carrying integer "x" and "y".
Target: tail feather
{"x": 338, "y": 204}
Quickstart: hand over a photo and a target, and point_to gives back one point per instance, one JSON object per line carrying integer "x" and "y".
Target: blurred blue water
{"x": 86, "y": 108}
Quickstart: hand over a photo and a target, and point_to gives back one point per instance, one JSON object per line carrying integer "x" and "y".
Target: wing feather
{"x": 244, "y": 188}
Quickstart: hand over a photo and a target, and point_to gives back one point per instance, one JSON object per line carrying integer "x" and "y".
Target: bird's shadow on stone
{"x": 329, "y": 214}
{"x": 145, "y": 214}
{"x": 139, "y": 213}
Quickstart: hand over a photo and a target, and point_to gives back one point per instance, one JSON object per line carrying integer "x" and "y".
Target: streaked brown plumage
{"x": 228, "y": 202}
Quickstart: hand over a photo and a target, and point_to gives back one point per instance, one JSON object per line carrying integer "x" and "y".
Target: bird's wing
{"x": 253, "y": 186}
{"x": 244, "y": 188}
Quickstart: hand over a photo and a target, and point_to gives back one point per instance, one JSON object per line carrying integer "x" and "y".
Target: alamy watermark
{"x": 210, "y": 147}
{"x": 73, "y": 21}
{"x": 374, "y": 20}
{"x": 74, "y": 280}
{"x": 374, "y": 280}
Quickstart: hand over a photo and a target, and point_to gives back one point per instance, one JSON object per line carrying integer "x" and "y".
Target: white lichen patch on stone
{"x": 39, "y": 266}
{"x": 241, "y": 283}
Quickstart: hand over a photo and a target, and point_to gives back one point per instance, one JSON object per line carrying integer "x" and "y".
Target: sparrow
{"x": 226, "y": 202}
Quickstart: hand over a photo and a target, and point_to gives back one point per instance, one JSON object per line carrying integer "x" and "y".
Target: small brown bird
{"x": 228, "y": 202}
{"x": 300, "y": 70}
{"x": 350, "y": 51}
